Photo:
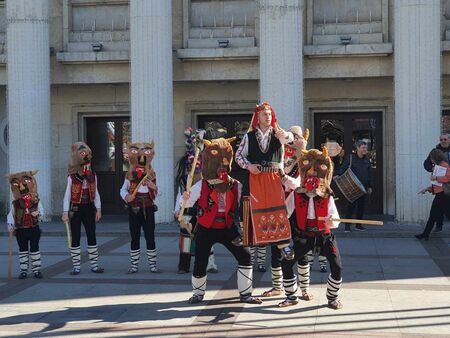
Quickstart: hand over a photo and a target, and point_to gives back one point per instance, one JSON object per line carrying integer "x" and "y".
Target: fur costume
{"x": 217, "y": 195}
{"x": 24, "y": 218}
{"x": 82, "y": 205}
{"x": 313, "y": 199}
{"x": 139, "y": 191}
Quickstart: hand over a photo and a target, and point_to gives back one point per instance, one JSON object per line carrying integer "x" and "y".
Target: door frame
{"x": 388, "y": 137}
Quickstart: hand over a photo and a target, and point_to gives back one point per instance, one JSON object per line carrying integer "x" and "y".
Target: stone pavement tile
{"x": 46, "y": 262}
{"x": 356, "y": 246}
{"x": 399, "y": 246}
{"x": 58, "y": 304}
{"x": 415, "y": 272}
{"x": 163, "y": 245}
{"x": 422, "y": 312}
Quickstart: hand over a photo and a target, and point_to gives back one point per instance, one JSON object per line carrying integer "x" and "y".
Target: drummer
{"x": 361, "y": 167}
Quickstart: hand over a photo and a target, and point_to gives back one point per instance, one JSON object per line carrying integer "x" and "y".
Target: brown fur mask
{"x": 217, "y": 157}
{"x": 140, "y": 156}
{"x": 24, "y": 186}
{"x": 316, "y": 171}
{"x": 80, "y": 160}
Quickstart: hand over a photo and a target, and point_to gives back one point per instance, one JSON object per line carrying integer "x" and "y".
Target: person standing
{"x": 361, "y": 167}
{"x": 444, "y": 145}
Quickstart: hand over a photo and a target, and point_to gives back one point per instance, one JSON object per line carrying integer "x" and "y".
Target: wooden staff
{"x": 69, "y": 236}
{"x": 10, "y": 252}
{"x": 354, "y": 221}
{"x": 189, "y": 185}
{"x": 148, "y": 175}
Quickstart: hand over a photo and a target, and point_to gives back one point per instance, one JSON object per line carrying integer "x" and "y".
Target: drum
{"x": 350, "y": 186}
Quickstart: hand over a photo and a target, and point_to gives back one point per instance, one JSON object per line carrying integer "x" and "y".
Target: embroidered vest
{"x": 143, "y": 200}
{"x": 311, "y": 226}
{"x": 22, "y": 216}
{"x": 208, "y": 207}
{"x": 80, "y": 195}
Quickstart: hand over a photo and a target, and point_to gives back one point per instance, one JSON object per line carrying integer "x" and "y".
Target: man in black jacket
{"x": 362, "y": 169}
{"x": 444, "y": 145}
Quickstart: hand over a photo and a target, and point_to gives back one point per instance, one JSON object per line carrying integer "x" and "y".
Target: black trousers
{"x": 28, "y": 238}
{"x": 83, "y": 214}
{"x": 327, "y": 246}
{"x": 275, "y": 256}
{"x": 206, "y": 238}
{"x": 147, "y": 223}
{"x": 439, "y": 208}
{"x": 358, "y": 205}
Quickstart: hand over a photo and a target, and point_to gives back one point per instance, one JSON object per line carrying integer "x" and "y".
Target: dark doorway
{"x": 107, "y": 137}
{"x": 346, "y": 129}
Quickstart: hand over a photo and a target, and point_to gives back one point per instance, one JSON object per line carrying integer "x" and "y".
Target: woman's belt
{"x": 268, "y": 166}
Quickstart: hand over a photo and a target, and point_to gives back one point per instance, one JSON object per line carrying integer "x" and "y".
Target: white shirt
{"x": 311, "y": 214}
{"x": 195, "y": 195}
{"x": 11, "y": 214}
{"x": 67, "y": 194}
{"x": 125, "y": 190}
{"x": 263, "y": 140}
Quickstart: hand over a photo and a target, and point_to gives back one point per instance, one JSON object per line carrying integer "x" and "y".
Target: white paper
{"x": 438, "y": 171}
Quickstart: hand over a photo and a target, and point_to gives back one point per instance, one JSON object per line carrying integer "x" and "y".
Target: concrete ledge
{"x": 94, "y": 57}
{"x": 348, "y": 50}
{"x": 218, "y": 53}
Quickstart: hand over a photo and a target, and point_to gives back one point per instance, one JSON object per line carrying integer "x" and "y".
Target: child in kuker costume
{"x": 139, "y": 191}
{"x": 261, "y": 152}
{"x": 291, "y": 180}
{"x": 186, "y": 244}
{"x": 23, "y": 220}
{"x": 82, "y": 205}
{"x": 218, "y": 197}
{"x": 313, "y": 200}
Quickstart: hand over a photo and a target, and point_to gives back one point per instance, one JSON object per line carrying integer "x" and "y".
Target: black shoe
{"x": 38, "y": 275}
{"x": 359, "y": 227}
{"x": 287, "y": 253}
{"x": 75, "y": 271}
{"x": 323, "y": 269}
{"x": 97, "y": 269}
{"x": 23, "y": 275}
{"x": 237, "y": 241}
{"x": 347, "y": 228}
{"x": 195, "y": 299}
{"x": 250, "y": 300}
{"x": 438, "y": 229}
{"x": 261, "y": 268}
{"x": 422, "y": 236}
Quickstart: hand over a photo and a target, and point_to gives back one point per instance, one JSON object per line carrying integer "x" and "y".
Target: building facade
{"x": 112, "y": 71}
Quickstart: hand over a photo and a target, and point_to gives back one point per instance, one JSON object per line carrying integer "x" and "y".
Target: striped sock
{"x": 303, "y": 276}
{"x": 290, "y": 288}
{"x": 198, "y": 285}
{"x": 35, "y": 261}
{"x": 261, "y": 255}
{"x": 322, "y": 261}
{"x": 277, "y": 278}
{"x": 310, "y": 258}
{"x": 245, "y": 280}
{"x": 93, "y": 256}
{"x": 75, "y": 253}
{"x": 135, "y": 256}
{"x": 23, "y": 261}
{"x": 151, "y": 256}
{"x": 333, "y": 287}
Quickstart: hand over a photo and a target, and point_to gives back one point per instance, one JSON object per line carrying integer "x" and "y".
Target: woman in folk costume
{"x": 313, "y": 200}
{"x": 82, "y": 204}
{"x": 218, "y": 197}
{"x": 139, "y": 191}
{"x": 261, "y": 153}
{"x": 190, "y": 214}
{"x": 23, "y": 220}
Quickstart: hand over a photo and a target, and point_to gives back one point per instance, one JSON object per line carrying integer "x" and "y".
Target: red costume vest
{"x": 311, "y": 226}
{"x": 22, "y": 216}
{"x": 78, "y": 195}
{"x": 143, "y": 200}
{"x": 208, "y": 206}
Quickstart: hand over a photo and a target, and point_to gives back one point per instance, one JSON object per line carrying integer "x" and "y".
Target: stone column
{"x": 281, "y": 58}
{"x": 28, "y": 89}
{"x": 152, "y": 91}
{"x": 417, "y": 56}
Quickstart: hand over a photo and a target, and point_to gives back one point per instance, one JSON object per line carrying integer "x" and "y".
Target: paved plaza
{"x": 394, "y": 286}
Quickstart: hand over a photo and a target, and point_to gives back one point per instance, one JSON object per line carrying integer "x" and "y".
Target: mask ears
{"x": 207, "y": 143}
{"x": 231, "y": 139}
{"x": 34, "y": 172}
{"x": 306, "y": 134}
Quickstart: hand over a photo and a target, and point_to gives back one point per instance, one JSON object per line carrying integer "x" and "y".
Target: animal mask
{"x": 80, "y": 160}
{"x": 140, "y": 156}
{"x": 217, "y": 157}
{"x": 24, "y": 186}
{"x": 316, "y": 171}
{"x": 295, "y": 148}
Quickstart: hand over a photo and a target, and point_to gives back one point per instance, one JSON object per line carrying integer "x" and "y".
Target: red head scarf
{"x": 259, "y": 108}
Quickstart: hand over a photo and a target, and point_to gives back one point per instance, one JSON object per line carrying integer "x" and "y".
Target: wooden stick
{"x": 355, "y": 221}
{"x": 140, "y": 184}
{"x": 69, "y": 237}
{"x": 10, "y": 252}
{"x": 189, "y": 183}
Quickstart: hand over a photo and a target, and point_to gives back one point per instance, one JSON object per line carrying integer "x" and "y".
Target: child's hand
{"x": 11, "y": 228}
